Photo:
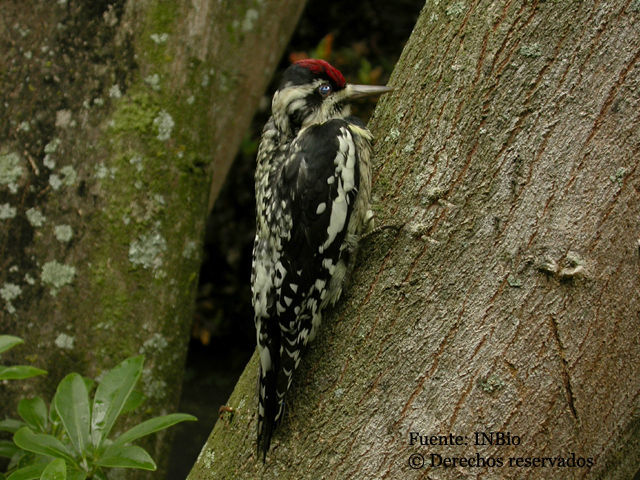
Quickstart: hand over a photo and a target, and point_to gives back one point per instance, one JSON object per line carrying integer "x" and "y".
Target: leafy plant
{"x": 15, "y": 372}
{"x": 70, "y": 439}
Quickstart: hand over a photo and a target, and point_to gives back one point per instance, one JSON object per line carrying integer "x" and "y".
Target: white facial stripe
{"x": 291, "y": 98}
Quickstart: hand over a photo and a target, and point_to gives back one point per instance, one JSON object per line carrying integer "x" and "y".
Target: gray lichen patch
{"x": 159, "y": 38}
{"x": 409, "y": 146}
{"x": 7, "y": 211}
{"x": 102, "y": 171}
{"x": 136, "y": 160}
{"x": 147, "y": 251}
{"x": 55, "y": 181}
{"x": 156, "y": 343}
{"x": 35, "y": 217}
{"x": 618, "y": 177}
{"x": 49, "y": 162}
{"x": 9, "y": 292}
{"x": 153, "y": 387}
{"x": 153, "y": 81}
{"x": 49, "y": 149}
{"x": 52, "y": 146}
{"x": 10, "y": 170}
{"x": 57, "y": 275}
{"x": 513, "y": 281}
{"x": 190, "y": 250}
{"x": 114, "y": 91}
{"x": 207, "y": 458}
{"x": 63, "y": 233}
{"x": 250, "y": 19}
{"x": 491, "y": 383}
{"x": 532, "y": 50}
{"x": 69, "y": 175}
{"x": 164, "y": 124}
{"x": 63, "y": 118}
{"x": 64, "y": 341}
{"x": 455, "y": 9}
{"x": 394, "y": 134}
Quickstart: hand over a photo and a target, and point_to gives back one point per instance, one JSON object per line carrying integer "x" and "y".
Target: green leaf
{"x": 72, "y": 405}
{"x": 10, "y": 425}
{"x": 42, "y": 443}
{"x": 152, "y": 425}
{"x": 54, "y": 418}
{"x": 19, "y": 372}
{"x": 126, "y": 456}
{"x": 34, "y": 412}
{"x": 7, "y": 342}
{"x": 98, "y": 475}
{"x": 7, "y": 449}
{"x": 89, "y": 383}
{"x": 22, "y": 457}
{"x": 30, "y": 472}
{"x": 56, "y": 470}
{"x": 134, "y": 401}
{"x": 78, "y": 475}
{"x": 111, "y": 396}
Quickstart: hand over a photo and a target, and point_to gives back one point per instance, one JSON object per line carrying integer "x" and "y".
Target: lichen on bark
{"x": 113, "y": 115}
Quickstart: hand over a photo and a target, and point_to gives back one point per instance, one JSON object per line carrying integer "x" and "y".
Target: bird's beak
{"x": 360, "y": 91}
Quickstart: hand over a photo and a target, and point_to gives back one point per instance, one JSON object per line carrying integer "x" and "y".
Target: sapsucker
{"x": 313, "y": 184}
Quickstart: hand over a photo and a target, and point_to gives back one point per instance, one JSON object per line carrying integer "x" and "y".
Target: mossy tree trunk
{"x": 116, "y": 119}
{"x": 508, "y": 300}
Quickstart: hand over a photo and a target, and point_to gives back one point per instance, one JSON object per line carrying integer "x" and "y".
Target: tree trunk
{"x": 117, "y": 117}
{"x": 507, "y": 303}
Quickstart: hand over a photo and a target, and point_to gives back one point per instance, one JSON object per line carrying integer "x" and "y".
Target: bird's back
{"x": 313, "y": 184}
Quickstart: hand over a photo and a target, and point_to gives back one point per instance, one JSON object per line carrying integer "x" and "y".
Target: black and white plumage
{"x": 313, "y": 183}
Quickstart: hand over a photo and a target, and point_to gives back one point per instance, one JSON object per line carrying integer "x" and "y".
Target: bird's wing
{"x": 318, "y": 182}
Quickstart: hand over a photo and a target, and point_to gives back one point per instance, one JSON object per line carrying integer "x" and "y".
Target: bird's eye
{"x": 324, "y": 90}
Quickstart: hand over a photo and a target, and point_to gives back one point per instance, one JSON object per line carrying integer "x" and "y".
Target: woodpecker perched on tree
{"x": 313, "y": 184}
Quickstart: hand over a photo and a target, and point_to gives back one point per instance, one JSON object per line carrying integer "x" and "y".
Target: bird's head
{"x": 313, "y": 91}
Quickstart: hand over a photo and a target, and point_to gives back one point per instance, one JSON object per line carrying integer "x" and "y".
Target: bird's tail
{"x": 273, "y": 384}
{"x": 268, "y": 409}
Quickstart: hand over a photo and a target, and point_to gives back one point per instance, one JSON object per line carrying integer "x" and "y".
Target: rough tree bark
{"x": 508, "y": 301}
{"x": 115, "y": 118}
